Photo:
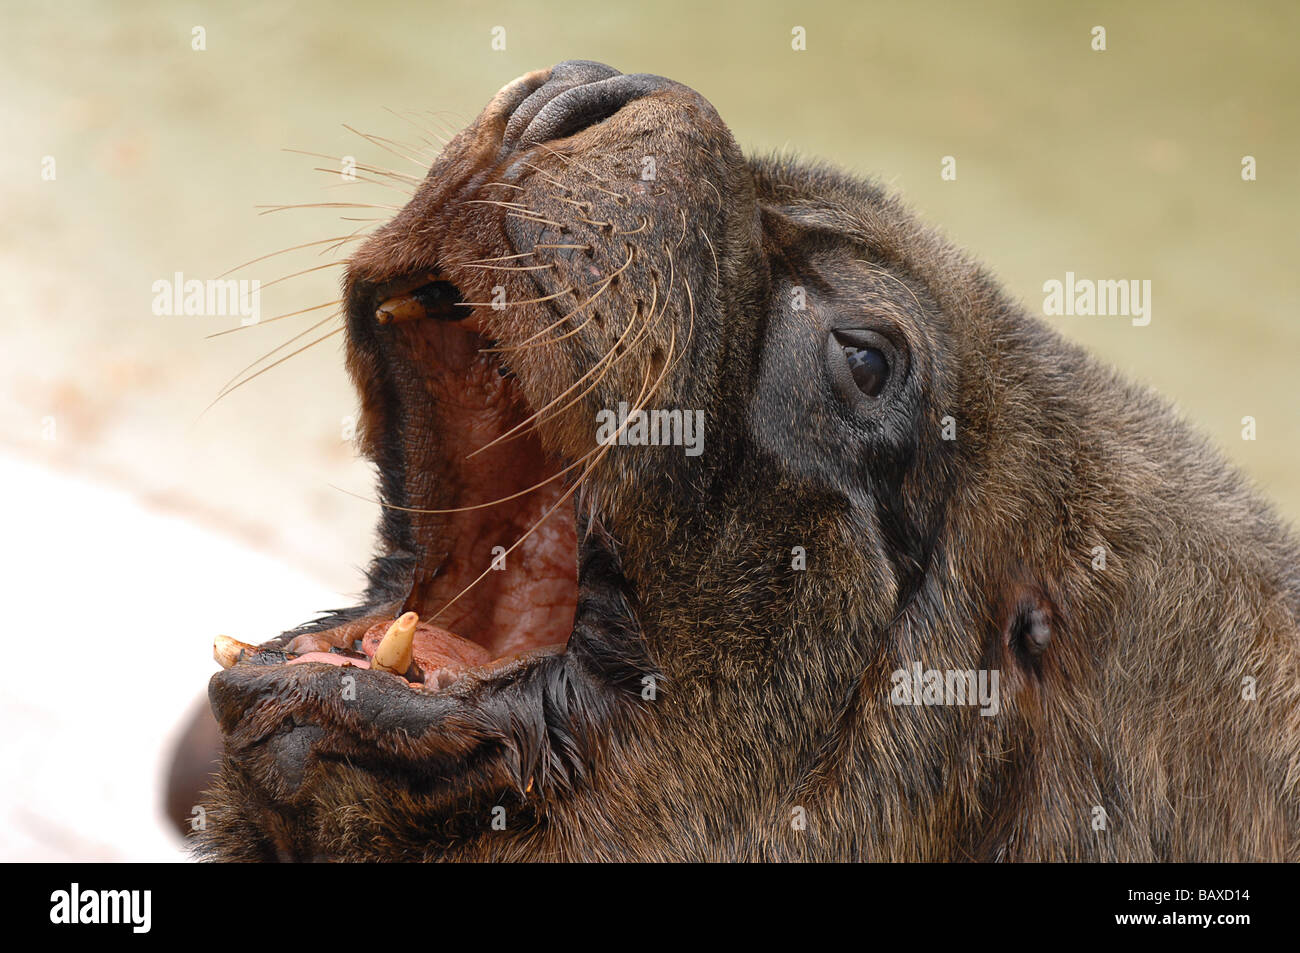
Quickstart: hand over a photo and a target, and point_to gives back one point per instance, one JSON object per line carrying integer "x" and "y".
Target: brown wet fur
{"x": 773, "y": 683}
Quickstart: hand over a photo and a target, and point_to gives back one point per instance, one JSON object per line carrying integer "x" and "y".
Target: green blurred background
{"x": 1116, "y": 164}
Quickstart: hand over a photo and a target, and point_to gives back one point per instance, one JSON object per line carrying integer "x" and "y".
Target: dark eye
{"x": 862, "y": 363}
{"x": 869, "y": 367}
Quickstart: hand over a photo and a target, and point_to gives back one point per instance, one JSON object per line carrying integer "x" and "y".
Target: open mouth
{"x": 498, "y": 607}
{"x": 485, "y": 509}
{"x": 502, "y": 644}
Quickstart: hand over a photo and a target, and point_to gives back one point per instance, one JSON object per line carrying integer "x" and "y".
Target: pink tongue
{"x": 434, "y": 648}
{"x": 329, "y": 658}
{"x": 441, "y": 655}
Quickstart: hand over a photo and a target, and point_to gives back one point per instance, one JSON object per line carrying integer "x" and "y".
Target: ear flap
{"x": 1031, "y": 627}
{"x": 1030, "y": 620}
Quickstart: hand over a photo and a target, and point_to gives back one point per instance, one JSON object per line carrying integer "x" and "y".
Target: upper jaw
{"x": 284, "y": 723}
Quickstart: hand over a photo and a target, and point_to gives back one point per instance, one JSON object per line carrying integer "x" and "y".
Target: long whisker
{"x": 389, "y": 145}
{"x": 464, "y": 509}
{"x": 283, "y": 251}
{"x": 558, "y": 184}
{"x": 541, "y": 519}
{"x": 365, "y": 167}
{"x": 359, "y": 180}
{"x": 576, "y": 203}
{"x": 438, "y": 115}
{"x": 357, "y": 233}
{"x": 419, "y": 128}
{"x": 227, "y": 393}
{"x": 525, "y": 345}
{"x": 544, "y": 174}
{"x": 599, "y": 453}
{"x": 517, "y": 206}
{"x": 484, "y": 261}
{"x": 547, "y": 342}
{"x": 268, "y": 209}
{"x": 452, "y": 128}
{"x": 510, "y": 267}
{"x": 278, "y": 317}
{"x": 306, "y": 271}
{"x": 274, "y": 350}
{"x": 569, "y": 160}
{"x": 534, "y": 218}
{"x": 646, "y": 327}
{"x": 511, "y": 304}
{"x": 609, "y": 357}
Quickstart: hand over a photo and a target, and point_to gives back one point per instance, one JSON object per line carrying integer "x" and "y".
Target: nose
{"x": 577, "y": 94}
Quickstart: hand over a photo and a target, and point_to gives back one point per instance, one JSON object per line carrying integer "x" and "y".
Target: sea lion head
{"x": 684, "y": 457}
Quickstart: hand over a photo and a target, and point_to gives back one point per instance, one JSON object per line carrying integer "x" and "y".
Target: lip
{"x": 252, "y": 697}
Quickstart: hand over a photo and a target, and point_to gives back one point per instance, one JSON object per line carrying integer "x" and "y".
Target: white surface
{"x": 119, "y": 604}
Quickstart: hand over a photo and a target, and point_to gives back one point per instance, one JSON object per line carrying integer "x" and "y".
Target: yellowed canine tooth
{"x": 394, "y": 651}
{"x": 227, "y": 650}
{"x": 401, "y": 308}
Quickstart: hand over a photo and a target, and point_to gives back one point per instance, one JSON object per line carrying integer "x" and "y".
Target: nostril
{"x": 582, "y": 106}
{"x": 563, "y": 77}
{"x": 577, "y": 94}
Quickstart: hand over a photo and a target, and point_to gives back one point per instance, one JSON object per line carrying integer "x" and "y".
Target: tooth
{"x": 394, "y": 651}
{"x": 227, "y": 651}
{"x": 402, "y": 308}
{"x": 402, "y": 301}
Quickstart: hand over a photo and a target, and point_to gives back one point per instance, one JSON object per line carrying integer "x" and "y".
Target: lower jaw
{"x": 434, "y": 657}
{"x": 491, "y": 728}
{"x": 435, "y": 669}
{"x": 441, "y": 659}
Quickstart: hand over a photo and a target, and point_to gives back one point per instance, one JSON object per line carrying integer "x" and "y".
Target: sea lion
{"x": 938, "y": 586}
